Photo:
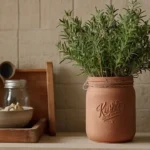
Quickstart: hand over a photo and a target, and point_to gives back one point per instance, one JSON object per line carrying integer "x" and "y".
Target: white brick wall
{"x": 8, "y": 14}
{"x": 29, "y": 14}
{"x": 28, "y": 35}
{"x": 84, "y": 8}
{"x": 8, "y": 46}
{"x": 36, "y": 47}
{"x": 52, "y": 11}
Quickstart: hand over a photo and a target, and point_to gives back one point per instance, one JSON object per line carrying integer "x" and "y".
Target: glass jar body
{"x": 16, "y": 95}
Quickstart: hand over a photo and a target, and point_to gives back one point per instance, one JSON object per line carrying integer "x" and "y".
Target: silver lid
{"x": 15, "y": 83}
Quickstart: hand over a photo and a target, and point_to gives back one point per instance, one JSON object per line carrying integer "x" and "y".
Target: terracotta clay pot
{"x": 110, "y": 109}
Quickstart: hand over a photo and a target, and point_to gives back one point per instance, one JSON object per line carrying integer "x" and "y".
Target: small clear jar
{"x": 16, "y": 92}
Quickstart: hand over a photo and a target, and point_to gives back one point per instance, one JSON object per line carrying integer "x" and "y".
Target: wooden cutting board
{"x": 41, "y": 93}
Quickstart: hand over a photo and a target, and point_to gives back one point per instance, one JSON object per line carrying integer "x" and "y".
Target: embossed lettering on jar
{"x": 110, "y": 109}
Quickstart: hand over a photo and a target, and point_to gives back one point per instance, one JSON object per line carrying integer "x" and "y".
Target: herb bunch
{"x": 109, "y": 44}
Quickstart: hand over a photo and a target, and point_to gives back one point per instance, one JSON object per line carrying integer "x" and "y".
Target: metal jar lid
{"x": 15, "y": 83}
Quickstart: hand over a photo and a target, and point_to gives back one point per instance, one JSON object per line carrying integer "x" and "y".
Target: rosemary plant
{"x": 108, "y": 44}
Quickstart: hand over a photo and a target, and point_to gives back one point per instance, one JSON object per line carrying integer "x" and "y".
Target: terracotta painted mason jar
{"x": 110, "y": 109}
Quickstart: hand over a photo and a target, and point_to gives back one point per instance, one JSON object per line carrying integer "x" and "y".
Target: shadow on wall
{"x": 69, "y": 99}
{"x": 142, "y": 139}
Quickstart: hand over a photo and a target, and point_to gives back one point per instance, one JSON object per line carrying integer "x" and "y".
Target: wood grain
{"x": 37, "y": 89}
{"x": 41, "y": 92}
{"x": 31, "y": 70}
{"x": 51, "y": 103}
{"x": 23, "y": 135}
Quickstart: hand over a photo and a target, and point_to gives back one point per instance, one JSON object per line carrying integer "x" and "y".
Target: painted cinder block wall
{"x": 28, "y": 35}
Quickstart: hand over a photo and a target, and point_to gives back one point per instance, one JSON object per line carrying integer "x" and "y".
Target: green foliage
{"x": 109, "y": 44}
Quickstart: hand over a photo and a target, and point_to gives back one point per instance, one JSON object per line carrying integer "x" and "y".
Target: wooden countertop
{"x": 79, "y": 141}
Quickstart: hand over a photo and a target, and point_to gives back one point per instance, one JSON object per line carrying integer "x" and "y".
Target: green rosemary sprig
{"x": 109, "y": 44}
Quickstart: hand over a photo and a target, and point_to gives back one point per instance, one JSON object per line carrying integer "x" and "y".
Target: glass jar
{"x": 16, "y": 92}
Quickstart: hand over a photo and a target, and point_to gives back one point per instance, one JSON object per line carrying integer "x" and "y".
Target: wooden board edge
{"x": 39, "y": 130}
{"x": 51, "y": 102}
{"x": 34, "y": 127}
{"x": 30, "y": 70}
{"x": 26, "y": 135}
{"x": 37, "y": 125}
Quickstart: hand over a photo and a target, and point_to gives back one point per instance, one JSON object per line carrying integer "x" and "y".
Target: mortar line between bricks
{"x": 18, "y": 35}
{"x": 58, "y": 83}
{"x": 53, "y": 29}
{"x": 70, "y": 109}
{"x": 143, "y": 109}
{"x": 73, "y": 7}
{"x": 17, "y": 48}
{"x": 39, "y": 13}
{"x": 78, "y": 83}
{"x": 141, "y": 84}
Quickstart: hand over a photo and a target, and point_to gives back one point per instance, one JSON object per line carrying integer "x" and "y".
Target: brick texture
{"x": 8, "y": 47}
{"x": 65, "y": 98}
{"x": 84, "y": 8}
{"x": 52, "y": 11}
{"x": 120, "y": 5}
{"x": 28, "y": 37}
{"x": 146, "y": 5}
{"x": 29, "y": 14}
{"x": 36, "y": 47}
{"x": 8, "y": 14}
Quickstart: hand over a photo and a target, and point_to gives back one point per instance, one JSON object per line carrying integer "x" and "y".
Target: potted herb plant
{"x": 111, "y": 49}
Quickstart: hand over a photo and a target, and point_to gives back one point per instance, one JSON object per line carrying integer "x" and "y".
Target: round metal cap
{"x": 15, "y": 83}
